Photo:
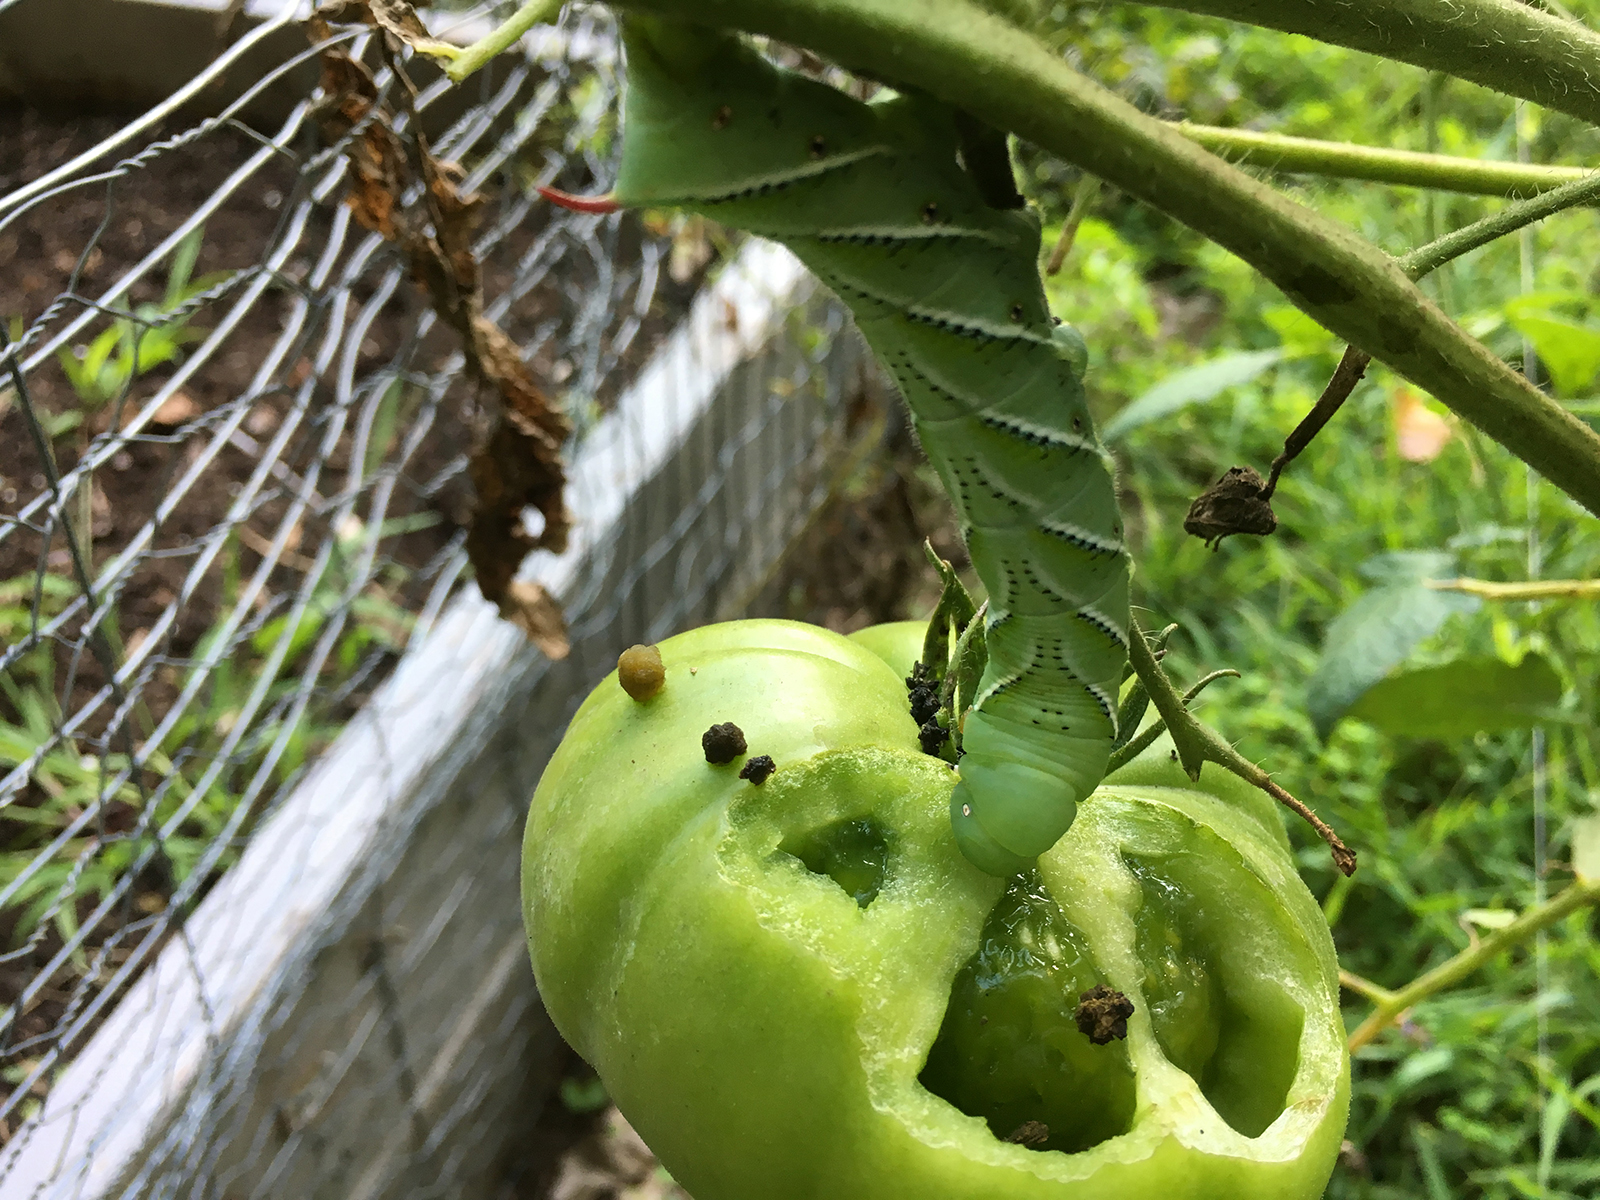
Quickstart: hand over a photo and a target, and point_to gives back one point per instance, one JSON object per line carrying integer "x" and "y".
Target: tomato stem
{"x": 1451, "y": 972}
{"x": 1197, "y": 745}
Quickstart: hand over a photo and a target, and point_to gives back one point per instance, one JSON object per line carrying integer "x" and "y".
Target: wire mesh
{"x": 232, "y": 490}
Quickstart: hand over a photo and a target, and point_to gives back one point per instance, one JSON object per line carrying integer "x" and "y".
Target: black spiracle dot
{"x": 819, "y": 146}
{"x": 930, "y": 212}
{"x": 720, "y": 118}
{"x": 1016, "y": 312}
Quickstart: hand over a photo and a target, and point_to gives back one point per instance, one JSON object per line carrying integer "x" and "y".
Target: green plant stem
{"x": 1419, "y": 263}
{"x": 1197, "y": 745}
{"x": 463, "y": 61}
{"x": 1448, "y": 974}
{"x": 1508, "y": 220}
{"x": 1137, "y": 745}
{"x": 1377, "y": 993}
{"x": 1347, "y": 160}
{"x": 975, "y": 60}
{"x": 1510, "y": 47}
{"x": 1082, "y": 198}
{"x": 1542, "y": 589}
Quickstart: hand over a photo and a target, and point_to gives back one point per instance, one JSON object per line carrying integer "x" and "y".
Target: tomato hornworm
{"x": 876, "y": 200}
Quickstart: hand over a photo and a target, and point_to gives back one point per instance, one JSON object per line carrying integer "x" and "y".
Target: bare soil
{"x": 69, "y": 250}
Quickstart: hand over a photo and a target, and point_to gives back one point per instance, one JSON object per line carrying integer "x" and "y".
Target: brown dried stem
{"x": 1197, "y": 744}
{"x": 1345, "y": 377}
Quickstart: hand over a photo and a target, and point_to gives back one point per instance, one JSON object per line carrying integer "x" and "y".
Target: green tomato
{"x": 799, "y": 988}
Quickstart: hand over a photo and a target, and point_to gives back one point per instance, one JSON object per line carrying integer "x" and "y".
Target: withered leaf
{"x": 531, "y": 608}
{"x": 1234, "y": 504}
{"x": 517, "y": 462}
{"x": 393, "y": 16}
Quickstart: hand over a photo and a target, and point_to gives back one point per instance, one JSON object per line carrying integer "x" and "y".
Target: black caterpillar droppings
{"x": 723, "y": 743}
{"x": 758, "y": 769}
{"x": 1103, "y": 1014}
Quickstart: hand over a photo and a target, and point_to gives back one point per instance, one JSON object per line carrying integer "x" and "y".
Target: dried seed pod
{"x": 1236, "y": 503}
{"x": 640, "y": 672}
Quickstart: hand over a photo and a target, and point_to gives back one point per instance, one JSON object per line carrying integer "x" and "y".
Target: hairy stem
{"x": 467, "y": 59}
{"x": 1347, "y": 160}
{"x": 1088, "y": 189}
{"x": 1510, "y": 47}
{"x": 1452, "y": 972}
{"x": 971, "y": 58}
{"x": 1140, "y": 742}
{"x": 1509, "y": 219}
{"x": 1377, "y": 993}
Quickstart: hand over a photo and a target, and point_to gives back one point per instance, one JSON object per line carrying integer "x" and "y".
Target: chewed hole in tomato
{"x": 1011, "y": 1050}
{"x": 1232, "y": 1028}
{"x": 852, "y": 853}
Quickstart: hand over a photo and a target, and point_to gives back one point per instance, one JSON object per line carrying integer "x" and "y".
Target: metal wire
{"x": 170, "y": 741}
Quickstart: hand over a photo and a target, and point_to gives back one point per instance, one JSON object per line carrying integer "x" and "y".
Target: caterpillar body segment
{"x": 946, "y": 291}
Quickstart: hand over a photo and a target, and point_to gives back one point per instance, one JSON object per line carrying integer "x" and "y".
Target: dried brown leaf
{"x": 376, "y": 160}
{"x": 532, "y": 609}
{"x": 393, "y": 16}
{"x": 517, "y": 464}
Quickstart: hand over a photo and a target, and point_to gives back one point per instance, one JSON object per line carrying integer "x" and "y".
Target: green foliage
{"x": 179, "y": 810}
{"x": 1466, "y": 696}
{"x": 1195, "y": 385}
{"x": 1381, "y": 629}
{"x": 131, "y": 346}
{"x": 1457, "y": 1102}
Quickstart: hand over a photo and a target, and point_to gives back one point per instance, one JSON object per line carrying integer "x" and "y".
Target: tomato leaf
{"x": 1464, "y": 697}
{"x": 1381, "y": 629}
{"x": 1192, "y": 386}
{"x": 1569, "y": 351}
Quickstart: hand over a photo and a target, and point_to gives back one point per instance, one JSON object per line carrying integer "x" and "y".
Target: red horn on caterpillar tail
{"x": 584, "y": 204}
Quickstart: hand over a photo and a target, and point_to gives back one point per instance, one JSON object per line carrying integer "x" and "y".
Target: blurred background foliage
{"x": 1492, "y": 1090}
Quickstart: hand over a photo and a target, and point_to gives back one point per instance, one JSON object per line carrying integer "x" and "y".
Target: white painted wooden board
{"x": 350, "y": 1012}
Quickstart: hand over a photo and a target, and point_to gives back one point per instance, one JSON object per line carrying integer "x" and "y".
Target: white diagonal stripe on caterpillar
{"x": 995, "y": 688}
{"x": 766, "y": 185}
{"x": 977, "y": 328}
{"x": 881, "y": 235}
{"x": 1104, "y": 624}
{"x": 1038, "y": 435}
{"x": 1082, "y": 538}
{"x": 902, "y": 365}
{"x": 1103, "y": 699}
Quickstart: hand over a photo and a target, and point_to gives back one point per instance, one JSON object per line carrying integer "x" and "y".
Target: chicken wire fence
{"x": 263, "y": 759}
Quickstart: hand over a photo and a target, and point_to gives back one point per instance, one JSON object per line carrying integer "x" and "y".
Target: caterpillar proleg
{"x": 946, "y": 290}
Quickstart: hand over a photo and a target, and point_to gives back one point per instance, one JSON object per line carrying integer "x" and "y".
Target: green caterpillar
{"x": 946, "y": 290}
